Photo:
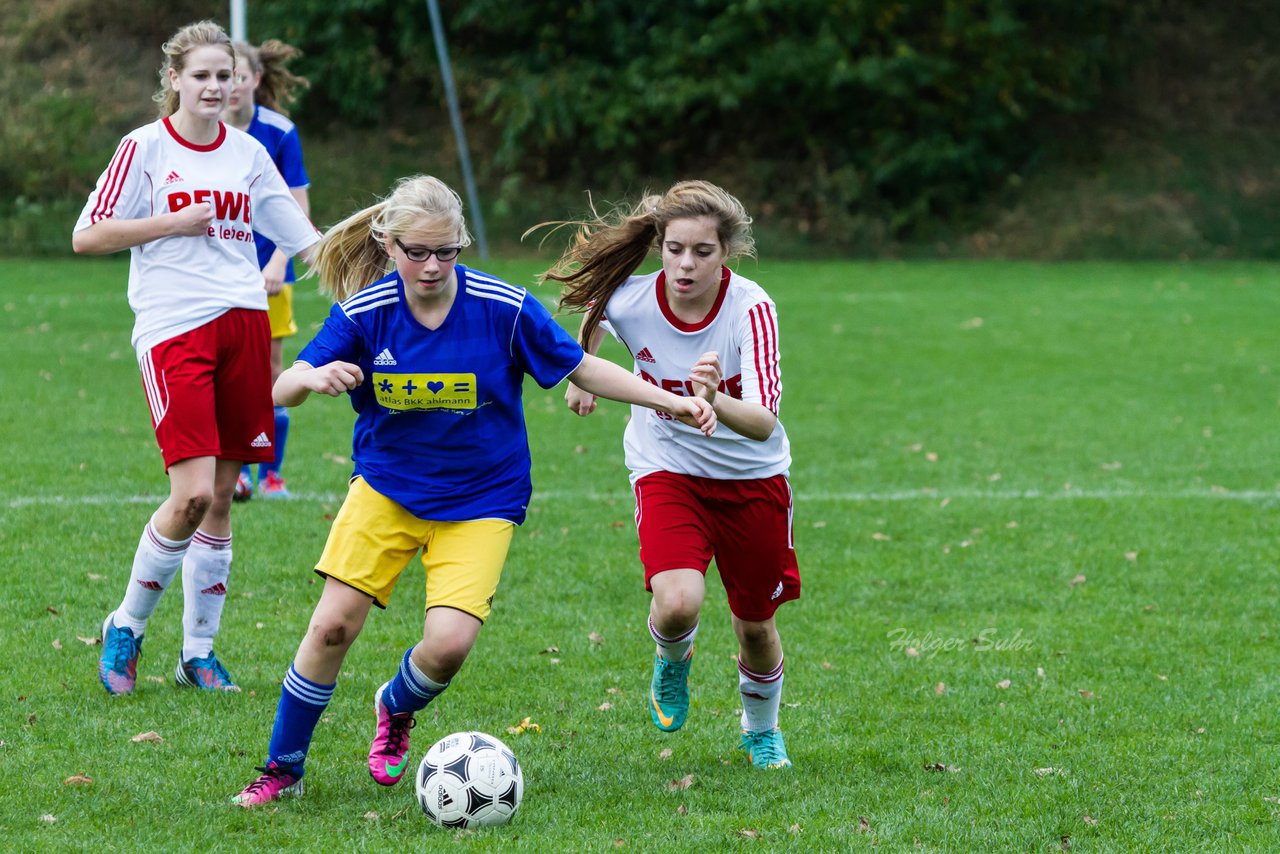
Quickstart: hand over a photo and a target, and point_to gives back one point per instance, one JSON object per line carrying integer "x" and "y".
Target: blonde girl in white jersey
{"x": 185, "y": 189}
{"x": 694, "y": 327}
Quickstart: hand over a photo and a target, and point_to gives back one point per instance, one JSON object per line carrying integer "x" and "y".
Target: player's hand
{"x": 273, "y": 274}
{"x": 580, "y": 402}
{"x": 193, "y": 220}
{"x": 706, "y": 376}
{"x": 695, "y": 412}
{"x": 333, "y": 379}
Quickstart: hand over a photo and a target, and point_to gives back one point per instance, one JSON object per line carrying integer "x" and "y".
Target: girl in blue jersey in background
{"x": 263, "y": 87}
{"x": 433, "y": 357}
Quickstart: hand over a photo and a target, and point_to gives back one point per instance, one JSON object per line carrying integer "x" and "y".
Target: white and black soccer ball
{"x": 469, "y": 779}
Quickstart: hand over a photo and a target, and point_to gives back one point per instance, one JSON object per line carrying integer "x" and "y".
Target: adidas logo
{"x": 172, "y": 178}
{"x": 261, "y": 442}
{"x": 384, "y": 358}
{"x": 218, "y": 589}
{"x": 645, "y": 356}
{"x": 777, "y": 592}
{"x": 150, "y": 585}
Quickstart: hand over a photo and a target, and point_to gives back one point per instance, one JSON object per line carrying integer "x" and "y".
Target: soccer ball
{"x": 469, "y": 779}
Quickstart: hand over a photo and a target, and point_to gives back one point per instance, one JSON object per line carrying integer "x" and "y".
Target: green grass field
{"x": 1036, "y": 517}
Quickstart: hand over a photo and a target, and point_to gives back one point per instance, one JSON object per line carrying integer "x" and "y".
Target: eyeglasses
{"x": 422, "y": 253}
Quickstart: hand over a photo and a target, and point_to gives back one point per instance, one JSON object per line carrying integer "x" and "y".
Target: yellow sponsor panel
{"x": 425, "y": 391}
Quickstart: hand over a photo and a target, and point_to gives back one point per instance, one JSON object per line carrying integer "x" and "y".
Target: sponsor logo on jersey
{"x": 261, "y": 441}
{"x": 172, "y": 178}
{"x": 418, "y": 392}
{"x": 385, "y": 357}
{"x": 645, "y": 356}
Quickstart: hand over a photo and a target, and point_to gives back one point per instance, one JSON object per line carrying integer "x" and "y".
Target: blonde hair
{"x": 608, "y": 248}
{"x": 275, "y": 90}
{"x": 185, "y": 40}
{"x": 353, "y": 254}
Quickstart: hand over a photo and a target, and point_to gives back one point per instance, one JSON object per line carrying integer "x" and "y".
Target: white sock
{"x": 155, "y": 563}
{"x": 204, "y": 592}
{"x": 761, "y": 697}
{"x": 674, "y": 649}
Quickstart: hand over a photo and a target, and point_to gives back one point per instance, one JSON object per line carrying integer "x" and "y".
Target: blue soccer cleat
{"x": 207, "y": 674}
{"x": 118, "y": 666}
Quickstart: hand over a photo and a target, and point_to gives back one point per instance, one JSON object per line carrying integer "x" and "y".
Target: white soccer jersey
{"x": 177, "y": 284}
{"x": 743, "y": 328}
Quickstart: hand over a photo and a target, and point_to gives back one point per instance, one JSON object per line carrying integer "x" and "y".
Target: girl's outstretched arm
{"x": 296, "y": 384}
{"x": 604, "y": 378}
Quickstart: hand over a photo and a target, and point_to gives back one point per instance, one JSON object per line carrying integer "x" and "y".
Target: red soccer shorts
{"x": 209, "y": 390}
{"x": 685, "y": 521}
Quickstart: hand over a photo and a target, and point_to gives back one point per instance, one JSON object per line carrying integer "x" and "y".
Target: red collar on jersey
{"x": 701, "y": 324}
{"x": 222, "y": 134}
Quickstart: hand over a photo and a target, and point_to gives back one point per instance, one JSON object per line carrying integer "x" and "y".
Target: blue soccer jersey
{"x": 440, "y": 424}
{"x": 279, "y": 136}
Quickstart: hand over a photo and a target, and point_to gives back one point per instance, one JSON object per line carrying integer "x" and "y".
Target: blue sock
{"x": 302, "y": 702}
{"x": 282, "y": 436}
{"x": 411, "y": 689}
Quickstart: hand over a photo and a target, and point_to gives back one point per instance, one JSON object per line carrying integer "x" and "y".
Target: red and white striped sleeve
{"x": 115, "y": 186}
{"x": 758, "y": 344}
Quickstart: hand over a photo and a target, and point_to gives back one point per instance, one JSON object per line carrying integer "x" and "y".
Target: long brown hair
{"x": 353, "y": 254}
{"x": 607, "y": 248}
{"x": 276, "y": 89}
{"x": 185, "y": 40}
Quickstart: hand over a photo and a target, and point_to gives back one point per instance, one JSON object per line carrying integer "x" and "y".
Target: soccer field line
{"x": 1247, "y": 496}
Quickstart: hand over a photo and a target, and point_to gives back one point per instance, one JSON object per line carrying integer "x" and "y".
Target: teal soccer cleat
{"x": 669, "y": 692}
{"x": 765, "y": 749}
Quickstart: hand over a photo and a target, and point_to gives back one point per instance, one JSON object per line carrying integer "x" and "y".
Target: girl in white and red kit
{"x": 695, "y": 327}
{"x": 184, "y": 194}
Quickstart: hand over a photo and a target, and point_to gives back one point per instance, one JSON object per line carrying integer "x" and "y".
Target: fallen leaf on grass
{"x": 879, "y": 537}
{"x": 682, "y": 810}
{"x": 604, "y": 707}
{"x": 526, "y": 725}
{"x": 88, "y": 641}
{"x": 931, "y": 457}
{"x": 78, "y": 780}
{"x": 596, "y": 638}
{"x": 147, "y": 736}
{"x": 1086, "y": 693}
{"x": 1011, "y": 524}
{"x": 793, "y": 829}
{"x": 1004, "y": 683}
{"x": 683, "y": 783}
{"x": 618, "y": 843}
{"x": 371, "y": 816}
{"x": 1092, "y": 822}
{"x": 665, "y": 753}
{"x": 1162, "y": 677}
{"x": 1130, "y": 555}
{"x": 940, "y": 688}
{"x": 1079, "y": 579}
{"x": 57, "y": 644}
{"x": 1046, "y": 772}
{"x": 826, "y": 665}
{"x": 1271, "y": 800}
{"x": 93, "y": 576}
{"x": 549, "y": 650}
{"x": 48, "y": 819}
{"x": 912, "y": 652}
{"x": 1066, "y": 843}
{"x": 159, "y": 680}
{"x": 864, "y": 826}
{"x": 938, "y": 767}
{"x": 748, "y": 833}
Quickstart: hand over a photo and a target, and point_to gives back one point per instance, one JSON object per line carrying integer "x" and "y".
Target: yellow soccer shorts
{"x": 373, "y": 539}
{"x": 280, "y": 313}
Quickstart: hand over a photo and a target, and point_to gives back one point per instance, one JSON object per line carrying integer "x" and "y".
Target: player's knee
{"x": 195, "y": 506}
{"x": 756, "y": 636}
{"x": 332, "y": 635}
{"x": 677, "y": 607}
{"x": 447, "y": 658}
